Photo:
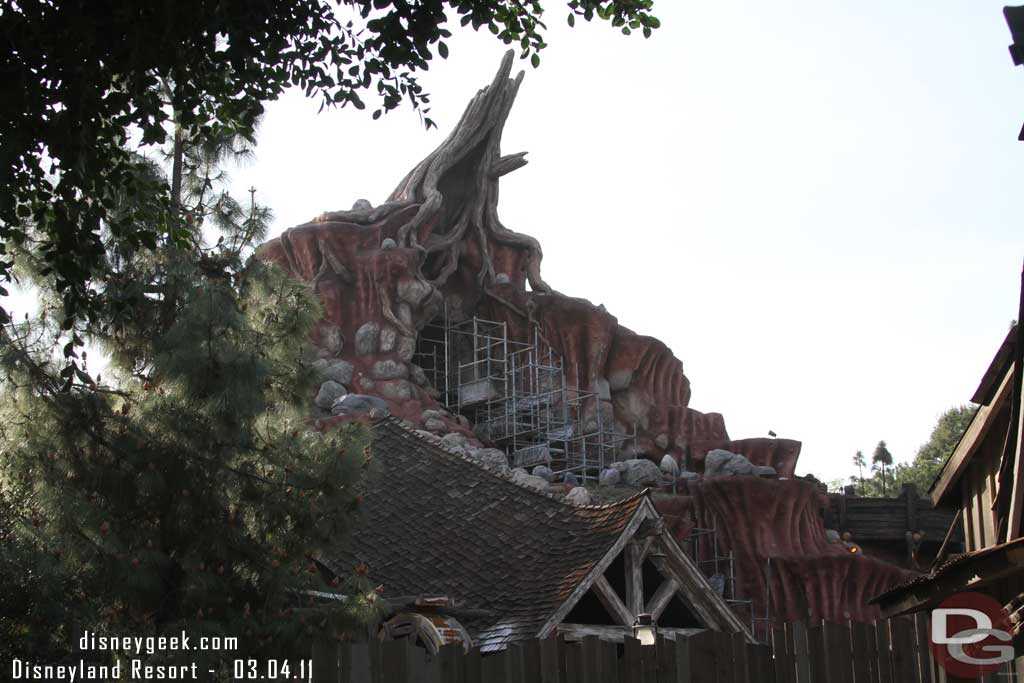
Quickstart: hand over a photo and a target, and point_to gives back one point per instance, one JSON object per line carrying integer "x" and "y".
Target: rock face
{"x": 383, "y": 273}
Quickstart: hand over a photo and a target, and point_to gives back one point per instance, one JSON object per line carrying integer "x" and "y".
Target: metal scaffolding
{"x": 517, "y": 396}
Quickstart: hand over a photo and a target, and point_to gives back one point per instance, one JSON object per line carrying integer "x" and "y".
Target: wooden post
{"x": 862, "y": 664}
{"x": 816, "y": 652}
{"x": 591, "y": 660}
{"x": 395, "y": 660}
{"x": 473, "y": 666}
{"x": 701, "y": 658}
{"x": 633, "y": 557}
{"x": 783, "y": 663}
{"x": 325, "y": 662}
{"x": 801, "y": 659}
{"x": 531, "y": 661}
{"x": 631, "y": 664}
{"x": 904, "y": 659}
{"x": 837, "y": 644}
{"x": 884, "y": 648}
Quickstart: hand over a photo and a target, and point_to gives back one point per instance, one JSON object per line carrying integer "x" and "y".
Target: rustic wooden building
{"x": 515, "y": 563}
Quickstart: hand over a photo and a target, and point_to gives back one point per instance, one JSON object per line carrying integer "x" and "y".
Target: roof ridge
{"x": 414, "y": 433}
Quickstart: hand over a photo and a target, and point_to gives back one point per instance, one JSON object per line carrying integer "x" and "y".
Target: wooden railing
{"x": 894, "y": 651}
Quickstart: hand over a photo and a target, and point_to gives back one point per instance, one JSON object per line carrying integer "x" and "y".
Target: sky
{"x": 813, "y": 203}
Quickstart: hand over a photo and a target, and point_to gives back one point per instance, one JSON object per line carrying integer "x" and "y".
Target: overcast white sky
{"x": 815, "y": 203}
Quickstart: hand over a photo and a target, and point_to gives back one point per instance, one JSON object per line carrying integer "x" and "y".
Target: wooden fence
{"x": 894, "y": 651}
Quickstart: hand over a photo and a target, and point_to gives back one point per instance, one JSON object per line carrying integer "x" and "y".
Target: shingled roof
{"x": 434, "y": 522}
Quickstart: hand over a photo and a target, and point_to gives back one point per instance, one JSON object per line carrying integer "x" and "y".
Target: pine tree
{"x": 185, "y": 489}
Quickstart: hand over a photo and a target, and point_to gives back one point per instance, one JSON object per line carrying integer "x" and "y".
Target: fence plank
{"x": 449, "y": 663}
{"x": 816, "y": 653}
{"x": 666, "y": 661}
{"x": 871, "y": 643}
{"x": 702, "y": 658}
{"x": 837, "y": 645}
{"x": 925, "y": 661}
{"x": 883, "y": 640}
{"x": 904, "y": 658}
{"x": 630, "y": 663}
{"x": 648, "y": 664}
{"x": 801, "y": 658}
{"x": 759, "y": 668}
{"x": 591, "y": 659}
{"x": 782, "y": 660}
{"x": 325, "y": 661}
{"x": 514, "y": 663}
{"x": 723, "y": 656}
{"x": 550, "y": 671}
{"x": 395, "y": 660}
{"x": 862, "y": 665}
{"x": 683, "y": 652}
{"x": 373, "y": 649}
{"x": 740, "y": 665}
{"x": 531, "y": 661}
{"x": 472, "y": 669}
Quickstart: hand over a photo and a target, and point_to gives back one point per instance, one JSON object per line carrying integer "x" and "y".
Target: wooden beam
{"x": 976, "y": 431}
{"x": 1017, "y": 501}
{"x": 612, "y": 602}
{"x": 695, "y": 590}
{"x": 645, "y": 511}
{"x": 634, "y": 561}
{"x": 615, "y": 634}
{"x": 659, "y": 601}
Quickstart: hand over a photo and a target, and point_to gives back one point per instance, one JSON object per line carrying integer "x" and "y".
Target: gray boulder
{"x": 686, "y": 475}
{"x": 388, "y": 339}
{"x": 719, "y": 462}
{"x": 363, "y": 205}
{"x": 406, "y": 348}
{"x": 520, "y": 476}
{"x": 578, "y": 496}
{"x": 332, "y": 339}
{"x": 609, "y": 477}
{"x": 569, "y": 479}
{"x": 832, "y": 536}
{"x": 366, "y": 338}
{"x": 389, "y": 369}
{"x": 669, "y": 465}
{"x": 338, "y": 370}
{"x": 454, "y": 440}
{"x": 544, "y": 472}
{"x": 492, "y": 458}
{"x": 435, "y": 425}
{"x": 330, "y": 391}
{"x": 765, "y": 471}
{"x": 358, "y": 404}
{"x": 640, "y": 472}
{"x": 388, "y": 243}
{"x": 397, "y": 389}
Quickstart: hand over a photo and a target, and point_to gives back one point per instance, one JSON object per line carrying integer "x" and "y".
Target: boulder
{"x": 397, "y": 389}
{"x": 388, "y": 243}
{"x": 570, "y": 480}
{"x": 609, "y": 477}
{"x": 332, "y": 339}
{"x": 520, "y": 476}
{"x": 544, "y": 472}
{"x": 389, "y": 369}
{"x": 358, "y": 404}
{"x": 366, "y": 338}
{"x": 491, "y": 458}
{"x": 406, "y": 348}
{"x": 388, "y": 339}
{"x": 330, "y": 391}
{"x": 719, "y": 462}
{"x": 430, "y": 415}
{"x": 418, "y": 376}
{"x": 362, "y": 205}
{"x": 338, "y": 370}
{"x": 578, "y": 496}
{"x": 640, "y": 472}
{"x": 765, "y": 471}
{"x": 669, "y": 465}
{"x": 686, "y": 475}
{"x": 454, "y": 440}
{"x": 435, "y": 425}
{"x": 832, "y": 536}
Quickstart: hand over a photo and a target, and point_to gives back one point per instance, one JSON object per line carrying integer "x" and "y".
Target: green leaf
{"x": 535, "y": 60}
{"x": 572, "y": 19}
{"x": 442, "y": 50}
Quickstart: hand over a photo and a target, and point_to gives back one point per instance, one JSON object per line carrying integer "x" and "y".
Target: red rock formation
{"x": 778, "y": 523}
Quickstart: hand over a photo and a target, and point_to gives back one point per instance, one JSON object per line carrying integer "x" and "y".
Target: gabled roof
{"x": 434, "y": 522}
{"x": 991, "y": 396}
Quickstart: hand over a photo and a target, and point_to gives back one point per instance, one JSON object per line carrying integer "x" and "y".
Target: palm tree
{"x": 861, "y": 463}
{"x": 880, "y": 460}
